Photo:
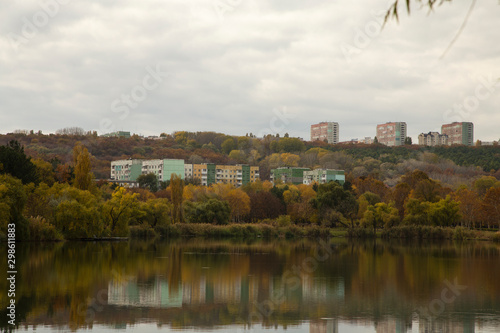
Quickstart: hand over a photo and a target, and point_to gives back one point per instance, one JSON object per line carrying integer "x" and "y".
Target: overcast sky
{"x": 246, "y": 66}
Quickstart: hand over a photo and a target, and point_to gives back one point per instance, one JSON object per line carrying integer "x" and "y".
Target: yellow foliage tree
{"x": 290, "y": 160}
{"x": 239, "y": 202}
{"x": 81, "y": 160}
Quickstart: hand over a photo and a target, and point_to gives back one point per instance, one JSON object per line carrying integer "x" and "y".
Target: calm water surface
{"x": 234, "y": 286}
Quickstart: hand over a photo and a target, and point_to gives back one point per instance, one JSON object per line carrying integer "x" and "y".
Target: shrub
{"x": 418, "y": 232}
{"x": 496, "y": 237}
{"x": 283, "y": 221}
{"x": 360, "y": 233}
{"x": 41, "y": 230}
{"x": 142, "y": 231}
{"x": 461, "y": 233}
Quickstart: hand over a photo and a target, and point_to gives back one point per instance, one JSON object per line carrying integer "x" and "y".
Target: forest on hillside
{"x": 50, "y": 196}
{"x": 453, "y": 166}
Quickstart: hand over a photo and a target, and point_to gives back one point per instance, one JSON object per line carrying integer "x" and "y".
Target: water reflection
{"x": 305, "y": 286}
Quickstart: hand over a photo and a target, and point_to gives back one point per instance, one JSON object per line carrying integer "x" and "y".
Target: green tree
{"x": 77, "y": 220}
{"x": 157, "y": 212}
{"x": 75, "y": 213}
{"x": 288, "y": 145}
{"x": 211, "y": 211}
{"x": 417, "y": 212}
{"x": 14, "y": 161}
{"x": 381, "y": 215}
{"x": 45, "y": 172}
{"x": 12, "y": 202}
{"x": 228, "y": 145}
{"x": 118, "y": 211}
{"x": 483, "y": 184}
{"x": 445, "y": 212}
{"x": 149, "y": 181}
{"x": 332, "y": 196}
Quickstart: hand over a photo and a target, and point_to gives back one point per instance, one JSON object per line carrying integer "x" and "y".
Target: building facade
{"x": 432, "y": 139}
{"x": 288, "y": 175}
{"x": 328, "y": 131}
{"x": 210, "y": 173}
{"x": 459, "y": 133}
{"x": 323, "y": 176}
{"x": 119, "y": 134}
{"x": 163, "y": 169}
{"x": 127, "y": 171}
{"x": 392, "y": 134}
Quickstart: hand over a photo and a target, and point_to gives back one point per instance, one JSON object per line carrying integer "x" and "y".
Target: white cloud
{"x": 232, "y": 66}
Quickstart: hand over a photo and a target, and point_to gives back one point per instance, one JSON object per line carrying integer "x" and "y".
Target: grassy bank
{"x": 231, "y": 231}
{"x": 293, "y": 232}
{"x": 429, "y": 232}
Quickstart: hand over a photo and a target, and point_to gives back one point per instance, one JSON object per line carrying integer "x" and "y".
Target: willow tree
{"x": 83, "y": 175}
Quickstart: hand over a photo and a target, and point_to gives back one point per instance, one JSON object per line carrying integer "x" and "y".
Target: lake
{"x": 316, "y": 286}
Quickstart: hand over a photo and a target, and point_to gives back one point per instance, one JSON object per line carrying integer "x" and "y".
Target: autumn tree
{"x": 239, "y": 202}
{"x": 483, "y": 184}
{"x": 399, "y": 195}
{"x": 491, "y": 206}
{"x": 380, "y": 215}
{"x": 427, "y": 190}
{"x": 445, "y": 212}
{"x": 228, "y": 145}
{"x": 83, "y": 176}
{"x": 470, "y": 206}
{"x": 12, "y": 202}
{"x": 264, "y": 205}
{"x": 118, "y": 211}
{"x": 77, "y": 212}
{"x": 156, "y": 212}
{"x": 44, "y": 171}
{"x": 176, "y": 190}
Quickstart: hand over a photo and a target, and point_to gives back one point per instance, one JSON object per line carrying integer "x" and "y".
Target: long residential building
{"x": 307, "y": 176}
{"x": 323, "y": 176}
{"x": 328, "y": 131}
{"x": 392, "y": 134}
{"x": 127, "y": 171}
{"x": 459, "y": 133}
{"x": 288, "y": 175}
{"x": 210, "y": 173}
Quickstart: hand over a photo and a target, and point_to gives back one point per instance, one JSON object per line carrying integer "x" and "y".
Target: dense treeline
{"x": 48, "y": 205}
{"x": 452, "y": 166}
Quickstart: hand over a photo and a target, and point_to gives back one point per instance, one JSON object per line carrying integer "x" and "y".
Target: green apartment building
{"x": 323, "y": 176}
{"x": 130, "y": 170}
{"x": 288, "y": 175}
{"x": 126, "y": 170}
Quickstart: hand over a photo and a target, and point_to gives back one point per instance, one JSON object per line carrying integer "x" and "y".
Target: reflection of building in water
{"x": 205, "y": 290}
{"x": 392, "y": 325}
{"x": 447, "y": 326}
{"x": 199, "y": 291}
{"x": 131, "y": 293}
{"x": 322, "y": 289}
{"x": 324, "y": 326}
{"x": 195, "y": 292}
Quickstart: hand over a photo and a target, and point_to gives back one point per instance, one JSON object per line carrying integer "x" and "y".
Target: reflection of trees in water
{"x": 221, "y": 282}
